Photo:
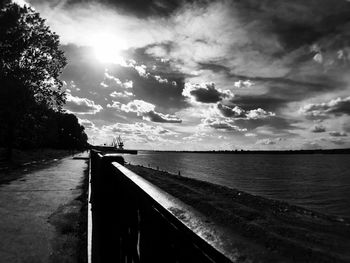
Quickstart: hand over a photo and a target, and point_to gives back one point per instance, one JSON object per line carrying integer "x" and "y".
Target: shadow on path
{"x": 42, "y": 213}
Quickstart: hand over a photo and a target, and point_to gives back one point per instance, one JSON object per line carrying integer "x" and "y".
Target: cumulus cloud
{"x": 269, "y": 141}
{"x": 70, "y": 86}
{"x": 338, "y": 134}
{"x": 110, "y": 81}
{"x": 251, "y": 37}
{"x": 128, "y": 84}
{"x": 221, "y": 124}
{"x": 166, "y": 96}
{"x": 160, "y": 79}
{"x": 234, "y": 112}
{"x": 336, "y": 140}
{"x": 192, "y": 138}
{"x": 318, "y": 129}
{"x": 142, "y": 71}
{"x": 137, "y": 128}
{"x": 205, "y": 93}
{"x": 124, "y": 94}
{"x": 138, "y": 106}
{"x": 115, "y": 105}
{"x": 81, "y": 105}
{"x": 239, "y": 113}
{"x": 273, "y": 54}
{"x": 134, "y": 133}
{"x": 241, "y": 84}
{"x": 159, "y": 117}
{"x": 338, "y": 106}
{"x": 259, "y": 114}
{"x": 311, "y": 145}
{"x": 147, "y": 111}
{"x": 86, "y": 123}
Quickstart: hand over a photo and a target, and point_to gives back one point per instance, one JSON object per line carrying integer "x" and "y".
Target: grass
{"x": 21, "y": 157}
{"x": 27, "y": 160}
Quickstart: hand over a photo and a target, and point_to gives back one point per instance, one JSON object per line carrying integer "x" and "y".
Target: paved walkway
{"x": 32, "y": 211}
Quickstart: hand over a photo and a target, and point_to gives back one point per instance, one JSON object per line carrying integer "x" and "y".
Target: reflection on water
{"x": 315, "y": 181}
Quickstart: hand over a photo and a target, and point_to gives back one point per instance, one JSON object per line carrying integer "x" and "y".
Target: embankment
{"x": 295, "y": 233}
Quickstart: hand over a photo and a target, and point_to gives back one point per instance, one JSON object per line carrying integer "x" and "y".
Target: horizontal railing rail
{"x": 135, "y": 221}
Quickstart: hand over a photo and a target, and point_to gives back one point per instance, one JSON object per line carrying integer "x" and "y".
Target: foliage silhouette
{"x": 31, "y": 94}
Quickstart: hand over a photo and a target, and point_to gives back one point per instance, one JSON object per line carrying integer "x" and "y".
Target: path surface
{"x": 33, "y": 207}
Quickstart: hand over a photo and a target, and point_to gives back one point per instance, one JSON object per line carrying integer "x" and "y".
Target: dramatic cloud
{"x": 269, "y": 141}
{"x": 235, "y": 112}
{"x": 337, "y": 106}
{"x": 124, "y": 94}
{"x": 141, "y": 8}
{"x": 165, "y": 95}
{"x": 81, "y": 105}
{"x": 277, "y": 67}
{"x": 142, "y": 71}
{"x": 274, "y": 94}
{"x": 221, "y": 124}
{"x": 265, "y": 101}
{"x": 147, "y": 111}
{"x": 318, "y": 129}
{"x": 159, "y": 117}
{"x": 138, "y": 106}
{"x": 238, "y": 113}
{"x": 86, "y": 123}
{"x": 258, "y": 114}
{"x": 338, "y": 134}
{"x": 336, "y": 140}
{"x": 110, "y": 81}
{"x": 137, "y": 128}
{"x": 134, "y": 134}
{"x": 243, "y": 84}
{"x": 161, "y": 80}
{"x": 205, "y": 93}
{"x": 115, "y": 105}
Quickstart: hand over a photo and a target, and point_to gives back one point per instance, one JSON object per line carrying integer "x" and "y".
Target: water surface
{"x": 320, "y": 182}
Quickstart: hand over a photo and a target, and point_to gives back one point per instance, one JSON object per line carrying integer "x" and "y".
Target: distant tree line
{"x": 31, "y": 95}
{"x": 47, "y": 129}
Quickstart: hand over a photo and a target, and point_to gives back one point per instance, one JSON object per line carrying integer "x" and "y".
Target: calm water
{"x": 316, "y": 181}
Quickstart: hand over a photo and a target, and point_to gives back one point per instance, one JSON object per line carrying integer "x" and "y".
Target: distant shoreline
{"x": 326, "y": 151}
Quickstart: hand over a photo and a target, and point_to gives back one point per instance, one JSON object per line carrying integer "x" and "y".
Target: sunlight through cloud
{"x": 107, "y": 48}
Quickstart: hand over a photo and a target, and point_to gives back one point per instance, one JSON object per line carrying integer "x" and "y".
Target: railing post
{"x": 133, "y": 220}
{"x": 105, "y": 209}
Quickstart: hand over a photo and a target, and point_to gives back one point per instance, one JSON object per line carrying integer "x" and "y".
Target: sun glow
{"x": 108, "y": 48}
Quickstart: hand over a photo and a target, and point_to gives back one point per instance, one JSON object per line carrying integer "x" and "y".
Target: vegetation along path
{"x": 42, "y": 214}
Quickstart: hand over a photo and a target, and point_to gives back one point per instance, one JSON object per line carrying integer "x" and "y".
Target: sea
{"x": 320, "y": 182}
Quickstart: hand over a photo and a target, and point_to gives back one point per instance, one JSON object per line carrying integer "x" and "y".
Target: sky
{"x": 207, "y": 75}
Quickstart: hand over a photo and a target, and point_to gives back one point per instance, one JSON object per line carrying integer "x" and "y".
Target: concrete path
{"x": 31, "y": 210}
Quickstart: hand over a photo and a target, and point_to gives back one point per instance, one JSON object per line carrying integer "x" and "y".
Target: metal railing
{"x": 135, "y": 221}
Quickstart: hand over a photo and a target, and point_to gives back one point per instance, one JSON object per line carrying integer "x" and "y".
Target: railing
{"x": 135, "y": 221}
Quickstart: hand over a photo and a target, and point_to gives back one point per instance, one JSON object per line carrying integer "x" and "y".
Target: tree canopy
{"x": 30, "y": 65}
{"x": 30, "y": 54}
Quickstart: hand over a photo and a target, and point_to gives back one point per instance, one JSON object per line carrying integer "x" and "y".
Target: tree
{"x": 30, "y": 64}
{"x": 71, "y": 133}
